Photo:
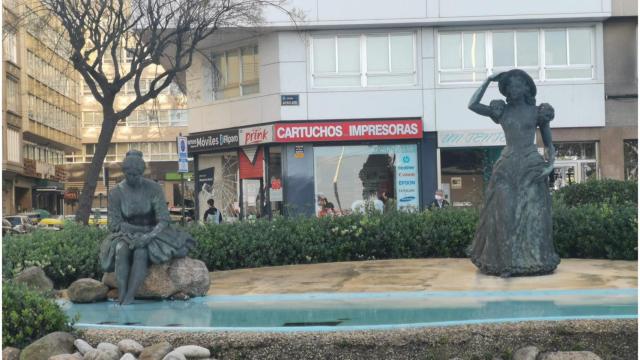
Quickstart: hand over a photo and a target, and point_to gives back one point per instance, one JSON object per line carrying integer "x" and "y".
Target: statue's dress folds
{"x": 139, "y": 211}
{"x": 514, "y": 234}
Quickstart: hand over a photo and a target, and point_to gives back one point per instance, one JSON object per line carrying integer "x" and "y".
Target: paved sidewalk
{"x": 417, "y": 275}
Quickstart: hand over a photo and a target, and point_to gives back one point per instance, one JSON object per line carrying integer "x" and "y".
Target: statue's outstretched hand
{"x": 547, "y": 170}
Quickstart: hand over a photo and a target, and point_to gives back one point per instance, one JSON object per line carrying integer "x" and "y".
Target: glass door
{"x": 252, "y": 199}
{"x": 564, "y": 173}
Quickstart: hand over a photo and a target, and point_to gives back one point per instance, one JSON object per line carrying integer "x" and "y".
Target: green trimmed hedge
{"x": 28, "y": 315}
{"x": 65, "y": 255}
{"x": 445, "y": 233}
{"x": 598, "y": 231}
{"x": 599, "y": 192}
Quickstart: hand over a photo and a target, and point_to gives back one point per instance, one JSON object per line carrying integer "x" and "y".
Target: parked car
{"x": 176, "y": 217}
{"x": 52, "y": 223}
{"x": 33, "y": 216}
{"x": 21, "y": 224}
{"x": 99, "y": 217}
{"x": 6, "y": 227}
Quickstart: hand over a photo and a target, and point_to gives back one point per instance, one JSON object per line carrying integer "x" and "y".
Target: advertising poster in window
{"x": 205, "y": 189}
{"x": 407, "y": 181}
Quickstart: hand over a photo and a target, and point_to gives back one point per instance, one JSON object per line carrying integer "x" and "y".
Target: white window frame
{"x": 542, "y": 66}
{"x": 241, "y": 83}
{"x": 363, "y": 73}
{"x": 13, "y": 94}
{"x": 336, "y": 73}
{"x": 11, "y": 47}
{"x": 538, "y": 68}
{"x": 488, "y": 57}
{"x": 13, "y": 145}
{"x": 569, "y": 66}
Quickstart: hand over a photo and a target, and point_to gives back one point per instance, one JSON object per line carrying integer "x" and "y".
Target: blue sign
{"x": 183, "y": 166}
{"x": 289, "y": 100}
{"x": 182, "y": 148}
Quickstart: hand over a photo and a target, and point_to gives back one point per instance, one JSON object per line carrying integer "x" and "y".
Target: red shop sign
{"x": 251, "y": 165}
{"x": 348, "y": 130}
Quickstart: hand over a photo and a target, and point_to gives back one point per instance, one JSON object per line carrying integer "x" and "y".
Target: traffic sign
{"x": 183, "y": 166}
{"x": 182, "y": 148}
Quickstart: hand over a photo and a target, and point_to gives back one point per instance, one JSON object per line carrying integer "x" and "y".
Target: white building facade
{"x": 367, "y": 100}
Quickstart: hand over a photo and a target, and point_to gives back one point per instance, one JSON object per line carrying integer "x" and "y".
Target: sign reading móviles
{"x": 349, "y": 130}
{"x": 214, "y": 140}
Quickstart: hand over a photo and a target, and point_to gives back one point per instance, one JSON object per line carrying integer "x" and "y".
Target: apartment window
{"x": 545, "y": 54}
{"x": 236, "y": 73}
{"x": 13, "y": 145}
{"x": 92, "y": 119}
{"x": 390, "y": 59}
{"x": 336, "y": 61}
{"x": 128, "y": 54}
{"x": 630, "y": 159}
{"x": 364, "y": 60}
{"x": 569, "y": 53}
{"x": 13, "y": 94}
{"x": 10, "y": 43}
{"x": 178, "y": 117}
{"x": 516, "y": 49}
{"x": 86, "y": 90}
{"x": 462, "y": 57}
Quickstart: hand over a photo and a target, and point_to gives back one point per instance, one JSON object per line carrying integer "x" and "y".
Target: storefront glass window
{"x": 351, "y": 179}
{"x": 575, "y": 162}
{"x": 217, "y": 179}
{"x": 466, "y": 173}
{"x": 275, "y": 180}
{"x": 631, "y": 159}
{"x": 575, "y": 151}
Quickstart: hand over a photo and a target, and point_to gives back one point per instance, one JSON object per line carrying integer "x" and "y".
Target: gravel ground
{"x": 610, "y": 339}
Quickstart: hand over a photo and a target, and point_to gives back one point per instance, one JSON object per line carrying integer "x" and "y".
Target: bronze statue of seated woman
{"x": 140, "y": 229}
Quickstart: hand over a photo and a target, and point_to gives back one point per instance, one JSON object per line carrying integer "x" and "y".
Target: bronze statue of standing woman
{"x": 514, "y": 235}
{"x": 140, "y": 229}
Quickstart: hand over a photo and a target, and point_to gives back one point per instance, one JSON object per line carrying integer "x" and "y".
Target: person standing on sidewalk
{"x": 439, "y": 201}
{"x": 212, "y": 215}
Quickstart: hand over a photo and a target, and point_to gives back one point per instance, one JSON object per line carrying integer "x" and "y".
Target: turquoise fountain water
{"x": 357, "y": 311}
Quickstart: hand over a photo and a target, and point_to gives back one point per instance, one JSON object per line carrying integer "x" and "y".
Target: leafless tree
{"x": 148, "y": 33}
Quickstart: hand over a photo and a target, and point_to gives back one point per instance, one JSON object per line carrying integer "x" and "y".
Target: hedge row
{"x": 599, "y": 192}
{"x": 587, "y": 231}
{"x": 65, "y": 255}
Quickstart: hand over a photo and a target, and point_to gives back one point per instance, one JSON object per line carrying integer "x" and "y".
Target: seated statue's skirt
{"x": 168, "y": 244}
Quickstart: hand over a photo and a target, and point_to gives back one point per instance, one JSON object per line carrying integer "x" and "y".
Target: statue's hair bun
{"x": 136, "y": 153}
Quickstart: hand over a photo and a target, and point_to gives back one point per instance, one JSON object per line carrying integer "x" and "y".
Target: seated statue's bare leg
{"x": 138, "y": 274}
{"x": 123, "y": 267}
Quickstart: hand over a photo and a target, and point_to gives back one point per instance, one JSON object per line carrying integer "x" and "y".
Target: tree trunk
{"x": 91, "y": 176}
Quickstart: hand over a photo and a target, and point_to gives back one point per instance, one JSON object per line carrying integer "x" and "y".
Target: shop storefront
{"x": 466, "y": 163}
{"x": 466, "y": 160}
{"x": 576, "y": 162}
{"x": 309, "y": 168}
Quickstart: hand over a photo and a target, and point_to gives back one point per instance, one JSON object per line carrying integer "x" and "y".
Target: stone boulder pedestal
{"x": 49, "y": 345}
{"x": 35, "y": 278}
{"x": 184, "y": 275}
{"x": 87, "y": 290}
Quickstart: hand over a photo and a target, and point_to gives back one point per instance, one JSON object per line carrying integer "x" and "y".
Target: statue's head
{"x": 515, "y": 84}
{"x": 133, "y": 167}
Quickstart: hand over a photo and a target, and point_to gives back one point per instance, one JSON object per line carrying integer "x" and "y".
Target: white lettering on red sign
{"x": 344, "y": 131}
